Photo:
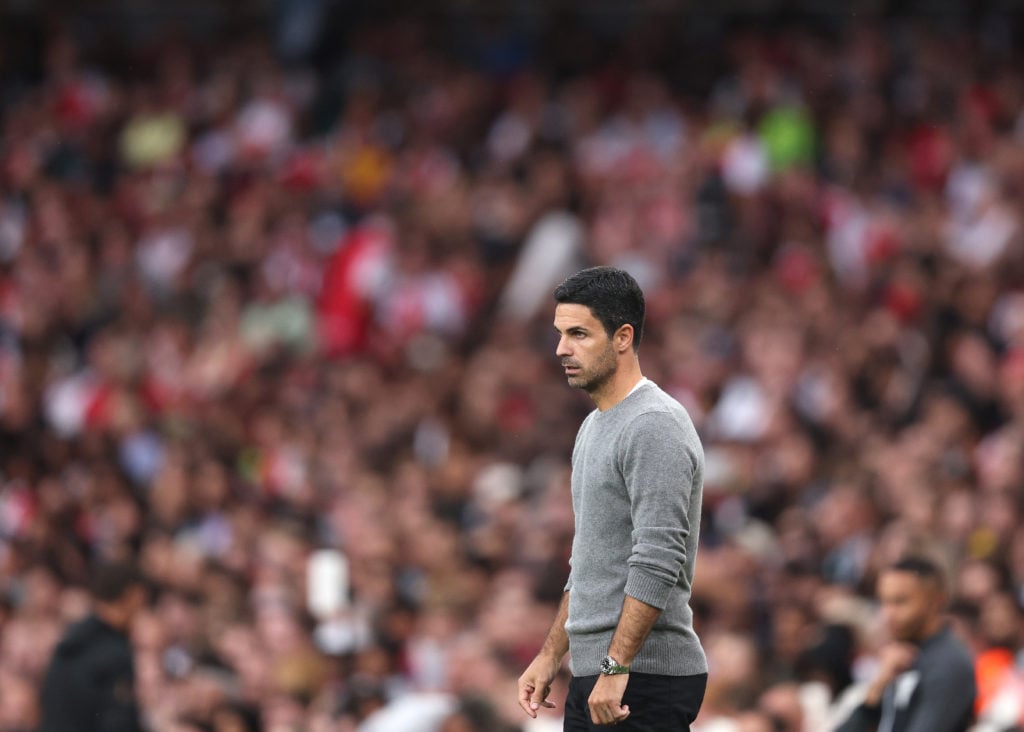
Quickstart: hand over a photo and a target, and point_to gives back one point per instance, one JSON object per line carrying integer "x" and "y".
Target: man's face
{"x": 585, "y": 350}
{"x": 909, "y": 604}
{"x": 133, "y": 602}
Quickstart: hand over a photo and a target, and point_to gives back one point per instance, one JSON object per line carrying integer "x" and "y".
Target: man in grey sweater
{"x": 637, "y": 478}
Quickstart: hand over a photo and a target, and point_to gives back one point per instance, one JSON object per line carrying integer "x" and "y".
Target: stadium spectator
{"x": 89, "y": 682}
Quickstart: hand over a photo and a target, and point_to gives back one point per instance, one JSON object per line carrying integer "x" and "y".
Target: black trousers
{"x": 656, "y": 703}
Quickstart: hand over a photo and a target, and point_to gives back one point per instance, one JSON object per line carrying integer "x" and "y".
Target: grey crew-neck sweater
{"x": 637, "y": 481}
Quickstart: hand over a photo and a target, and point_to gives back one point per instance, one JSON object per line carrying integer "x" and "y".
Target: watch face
{"x": 610, "y": 666}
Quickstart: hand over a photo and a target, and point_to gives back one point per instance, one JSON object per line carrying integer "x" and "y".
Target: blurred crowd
{"x": 275, "y": 319}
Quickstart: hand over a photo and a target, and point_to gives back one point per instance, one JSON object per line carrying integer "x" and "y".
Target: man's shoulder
{"x": 652, "y": 405}
{"x": 90, "y": 640}
{"x": 656, "y": 398}
{"x": 946, "y": 652}
{"x": 655, "y": 419}
{"x": 946, "y": 640}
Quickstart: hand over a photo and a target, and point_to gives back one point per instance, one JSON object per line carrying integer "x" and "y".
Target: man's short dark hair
{"x": 612, "y": 295}
{"x": 921, "y": 567}
{"x": 110, "y": 580}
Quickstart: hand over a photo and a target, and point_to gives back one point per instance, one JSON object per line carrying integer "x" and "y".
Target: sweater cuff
{"x": 647, "y": 588}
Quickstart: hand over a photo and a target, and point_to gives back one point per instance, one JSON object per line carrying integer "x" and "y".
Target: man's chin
{"x": 578, "y": 383}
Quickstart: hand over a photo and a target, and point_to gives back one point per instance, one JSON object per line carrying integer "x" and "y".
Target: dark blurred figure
{"x": 925, "y": 679}
{"x": 89, "y": 684}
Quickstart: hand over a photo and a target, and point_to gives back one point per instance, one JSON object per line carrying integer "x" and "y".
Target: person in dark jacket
{"x": 925, "y": 678}
{"x": 89, "y": 684}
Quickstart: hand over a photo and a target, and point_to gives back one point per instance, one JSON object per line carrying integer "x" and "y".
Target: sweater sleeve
{"x": 658, "y": 468}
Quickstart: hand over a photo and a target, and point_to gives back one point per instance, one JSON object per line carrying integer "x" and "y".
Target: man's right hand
{"x": 535, "y": 684}
{"x": 894, "y": 659}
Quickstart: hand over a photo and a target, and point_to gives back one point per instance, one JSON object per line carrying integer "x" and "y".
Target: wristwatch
{"x": 611, "y": 667}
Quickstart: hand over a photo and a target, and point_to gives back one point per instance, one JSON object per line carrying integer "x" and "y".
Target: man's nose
{"x": 562, "y": 349}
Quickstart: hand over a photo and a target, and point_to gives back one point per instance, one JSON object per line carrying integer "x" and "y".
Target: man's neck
{"x": 618, "y": 386}
{"x": 931, "y": 630}
{"x": 111, "y": 615}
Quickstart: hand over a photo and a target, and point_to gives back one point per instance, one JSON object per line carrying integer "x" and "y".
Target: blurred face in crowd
{"x": 585, "y": 350}
{"x": 911, "y": 605}
{"x": 134, "y": 602}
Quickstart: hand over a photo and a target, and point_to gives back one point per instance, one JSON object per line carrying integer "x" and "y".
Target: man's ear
{"x": 624, "y": 338}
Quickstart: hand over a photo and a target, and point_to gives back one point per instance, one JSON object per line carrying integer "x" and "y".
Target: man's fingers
{"x": 537, "y": 699}
{"x": 525, "y": 692}
{"x": 531, "y": 698}
{"x": 604, "y": 715}
{"x": 605, "y": 700}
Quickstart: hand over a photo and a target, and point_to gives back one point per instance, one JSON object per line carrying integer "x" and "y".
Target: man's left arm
{"x": 659, "y": 470}
{"x": 659, "y": 474}
{"x": 635, "y": 622}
